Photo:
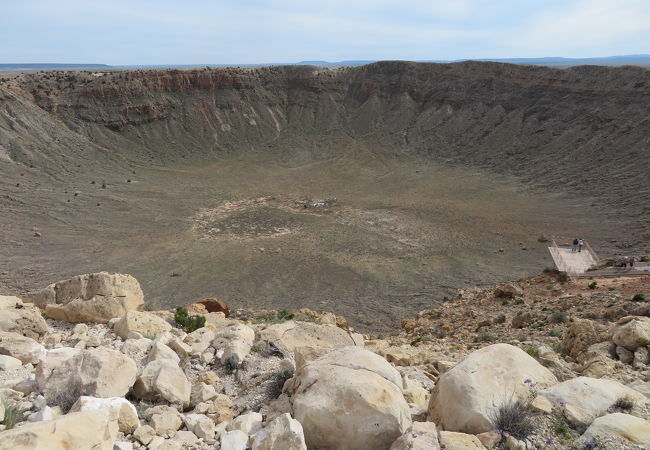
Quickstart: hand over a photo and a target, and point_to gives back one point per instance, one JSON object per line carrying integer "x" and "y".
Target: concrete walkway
{"x": 572, "y": 262}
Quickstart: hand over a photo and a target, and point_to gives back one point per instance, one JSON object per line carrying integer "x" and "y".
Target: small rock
{"x": 234, "y": 440}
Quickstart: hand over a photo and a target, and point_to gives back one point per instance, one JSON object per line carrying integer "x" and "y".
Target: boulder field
{"x": 124, "y": 378}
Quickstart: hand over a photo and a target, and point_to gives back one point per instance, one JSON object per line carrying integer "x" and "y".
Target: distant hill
{"x": 551, "y": 61}
{"x": 50, "y": 66}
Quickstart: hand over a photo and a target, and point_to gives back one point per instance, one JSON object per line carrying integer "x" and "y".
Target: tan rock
{"x": 249, "y": 423}
{"x": 633, "y": 429}
{"x": 209, "y": 377}
{"x": 20, "y": 347}
{"x": 21, "y": 318}
{"x": 144, "y": 434}
{"x": 200, "y": 425}
{"x": 121, "y": 410}
{"x": 201, "y": 392}
{"x": 632, "y": 332}
{"x": 598, "y": 367}
{"x": 161, "y": 351}
{"x": 219, "y": 409}
{"x": 81, "y": 430}
{"x": 287, "y": 336}
{"x": 163, "y": 378}
{"x": 147, "y": 324}
{"x": 580, "y": 335}
{"x": 236, "y": 342}
{"x": 356, "y": 384}
{"x": 97, "y": 372}
{"x": 166, "y": 423}
{"x": 588, "y": 398}
{"x": 234, "y": 440}
{"x": 9, "y": 363}
{"x": 95, "y": 297}
{"x": 466, "y": 396}
{"x": 419, "y": 436}
{"x": 459, "y": 441}
{"x": 283, "y": 432}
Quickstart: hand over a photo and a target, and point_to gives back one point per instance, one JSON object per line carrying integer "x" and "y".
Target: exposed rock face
{"x": 633, "y": 429}
{"x": 419, "y": 436}
{"x": 283, "y": 432}
{"x": 145, "y": 323}
{"x": 163, "y": 378}
{"x": 354, "y": 384}
{"x": 20, "y": 347}
{"x": 588, "y": 398}
{"x": 82, "y": 430}
{"x": 632, "y": 332}
{"x": 97, "y": 372}
{"x": 290, "y": 335}
{"x": 120, "y": 408}
{"x": 21, "y": 318}
{"x": 95, "y": 297}
{"x": 466, "y": 395}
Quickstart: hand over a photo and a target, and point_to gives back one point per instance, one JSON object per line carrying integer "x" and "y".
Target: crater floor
{"x": 374, "y": 239}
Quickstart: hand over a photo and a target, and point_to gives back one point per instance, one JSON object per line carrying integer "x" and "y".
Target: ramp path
{"x": 573, "y": 263}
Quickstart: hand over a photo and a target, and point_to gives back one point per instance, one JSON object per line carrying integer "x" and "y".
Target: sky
{"x": 147, "y": 32}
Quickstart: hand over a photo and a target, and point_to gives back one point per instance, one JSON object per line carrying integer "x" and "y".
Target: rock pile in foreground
{"x": 82, "y": 366}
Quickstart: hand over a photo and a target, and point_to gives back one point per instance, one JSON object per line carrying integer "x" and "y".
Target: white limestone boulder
{"x": 95, "y": 297}
{"x": 97, "y": 372}
{"x": 283, "y": 432}
{"x": 120, "y": 408}
{"x": 20, "y": 347}
{"x": 588, "y": 398}
{"x": 633, "y": 429}
{"x": 235, "y": 341}
{"x": 147, "y": 324}
{"x": 632, "y": 332}
{"x": 95, "y": 430}
{"x": 21, "y": 318}
{"x": 419, "y": 436}
{"x": 350, "y": 398}
{"x": 466, "y": 397}
{"x": 163, "y": 379}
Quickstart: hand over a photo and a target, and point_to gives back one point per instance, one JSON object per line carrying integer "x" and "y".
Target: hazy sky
{"x": 253, "y": 31}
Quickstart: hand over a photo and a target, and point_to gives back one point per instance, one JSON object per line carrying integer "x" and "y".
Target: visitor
{"x": 575, "y": 245}
{"x": 631, "y": 262}
{"x": 580, "y": 244}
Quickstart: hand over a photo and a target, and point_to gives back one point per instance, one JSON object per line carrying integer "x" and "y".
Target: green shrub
{"x": 562, "y": 277}
{"x": 532, "y": 351}
{"x": 484, "y": 337}
{"x": 514, "y": 417}
{"x": 592, "y": 285}
{"x": 12, "y": 414}
{"x": 559, "y": 317}
{"x": 638, "y": 298}
{"x": 623, "y": 403}
{"x": 554, "y": 333}
{"x": 285, "y": 315}
{"x": 189, "y": 323}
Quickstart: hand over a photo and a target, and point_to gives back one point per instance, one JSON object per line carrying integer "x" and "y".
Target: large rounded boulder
{"x": 95, "y": 297}
{"x": 349, "y": 399}
{"x": 467, "y": 396}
